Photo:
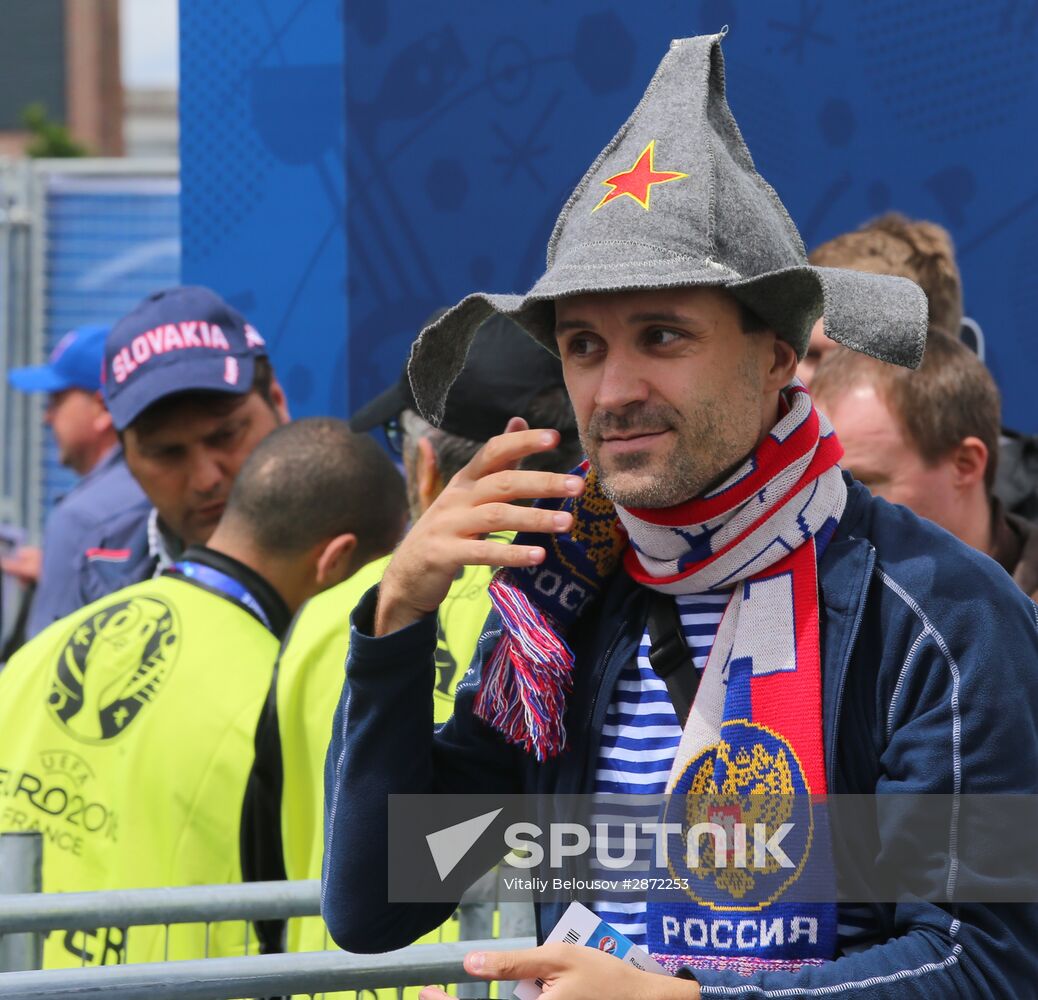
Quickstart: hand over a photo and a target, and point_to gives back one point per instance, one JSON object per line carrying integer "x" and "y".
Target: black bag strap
{"x": 669, "y": 655}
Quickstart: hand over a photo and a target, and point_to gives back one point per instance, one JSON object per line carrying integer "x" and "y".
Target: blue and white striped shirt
{"x": 641, "y": 736}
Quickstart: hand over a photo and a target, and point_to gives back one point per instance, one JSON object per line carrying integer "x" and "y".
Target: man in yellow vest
{"x": 503, "y": 375}
{"x": 134, "y": 734}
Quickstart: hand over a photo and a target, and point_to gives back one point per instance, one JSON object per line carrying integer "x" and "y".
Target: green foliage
{"x": 50, "y": 138}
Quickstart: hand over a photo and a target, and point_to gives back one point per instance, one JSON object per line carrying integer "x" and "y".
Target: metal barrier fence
{"x": 16, "y": 346}
{"x": 21, "y": 872}
{"x": 81, "y": 241}
{"x": 108, "y": 234}
{"x": 19, "y": 417}
{"x": 27, "y": 915}
{"x": 307, "y": 974}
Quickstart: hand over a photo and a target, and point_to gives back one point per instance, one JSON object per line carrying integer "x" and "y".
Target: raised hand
{"x": 452, "y": 533}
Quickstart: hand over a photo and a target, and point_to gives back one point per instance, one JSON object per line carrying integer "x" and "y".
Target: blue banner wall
{"x": 468, "y": 123}
{"x": 261, "y": 164}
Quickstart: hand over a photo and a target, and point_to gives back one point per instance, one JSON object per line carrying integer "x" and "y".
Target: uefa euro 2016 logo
{"x": 112, "y": 665}
{"x": 731, "y": 801}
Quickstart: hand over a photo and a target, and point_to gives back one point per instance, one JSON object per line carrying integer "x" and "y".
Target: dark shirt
{"x": 1016, "y": 475}
{"x": 262, "y": 852}
{"x": 270, "y": 601}
{"x": 1014, "y": 546}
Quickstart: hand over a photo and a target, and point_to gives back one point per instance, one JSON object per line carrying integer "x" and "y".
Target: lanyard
{"x": 227, "y": 585}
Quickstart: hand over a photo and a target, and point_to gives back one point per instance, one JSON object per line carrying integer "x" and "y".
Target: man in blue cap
{"x": 87, "y": 444}
{"x": 191, "y": 392}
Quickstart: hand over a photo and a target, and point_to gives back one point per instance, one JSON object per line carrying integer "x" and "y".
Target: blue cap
{"x": 178, "y": 340}
{"x": 74, "y": 364}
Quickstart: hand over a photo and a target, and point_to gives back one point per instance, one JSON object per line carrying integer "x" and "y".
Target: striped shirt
{"x": 639, "y": 740}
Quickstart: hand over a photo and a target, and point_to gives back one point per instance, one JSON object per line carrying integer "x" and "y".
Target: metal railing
{"x": 18, "y": 413}
{"x": 21, "y": 877}
{"x": 28, "y": 915}
{"x": 307, "y": 973}
{"x": 44, "y": 912}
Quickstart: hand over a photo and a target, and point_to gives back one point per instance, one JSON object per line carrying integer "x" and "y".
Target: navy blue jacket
{"x": 930, "y": 685}
{"x": 119, "y": 554}
{"x": 108, "y": 492}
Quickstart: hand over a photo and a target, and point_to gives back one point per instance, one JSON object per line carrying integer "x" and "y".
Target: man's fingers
{"x": 485, "y": 553}
{"x": 506, "y": 450}
{"x": 433, "y": 993}
{"x": 523, "y": 484}
{"x": 530, "y": 963}
{"x": 516, "y": 424}
{"x": 24, "y": 571}
{"x": 491, "y": 517}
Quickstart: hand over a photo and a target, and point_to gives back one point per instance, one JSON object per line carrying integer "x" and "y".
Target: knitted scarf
{"x": 756, "y": 725}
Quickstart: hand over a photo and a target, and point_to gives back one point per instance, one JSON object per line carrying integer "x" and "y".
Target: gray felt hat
{"x": 675, "y": 201}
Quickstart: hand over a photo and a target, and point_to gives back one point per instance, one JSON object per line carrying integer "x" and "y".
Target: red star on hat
{"x": 637, "y": 182}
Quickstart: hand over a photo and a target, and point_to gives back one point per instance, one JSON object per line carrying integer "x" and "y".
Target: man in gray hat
{"x": 712, "y": 606}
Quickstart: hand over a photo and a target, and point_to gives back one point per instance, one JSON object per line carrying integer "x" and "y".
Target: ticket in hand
{"x": 580, "y": 926}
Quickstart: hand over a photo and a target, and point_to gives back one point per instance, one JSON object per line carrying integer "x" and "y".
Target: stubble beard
{"x": 711, "y": 440}
{"x": 701, "y": 455}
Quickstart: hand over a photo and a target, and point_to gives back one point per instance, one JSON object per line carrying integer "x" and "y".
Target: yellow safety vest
{"x": 309, "y": 682}
{"x": 127, "y": 739}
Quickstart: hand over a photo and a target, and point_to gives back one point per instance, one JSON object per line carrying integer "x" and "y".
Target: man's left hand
{"x": 24, "y": 565}
{"x": 572, "y": 972}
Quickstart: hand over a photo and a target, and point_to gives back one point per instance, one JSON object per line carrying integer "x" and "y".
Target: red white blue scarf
{"x": 757, "y": 720}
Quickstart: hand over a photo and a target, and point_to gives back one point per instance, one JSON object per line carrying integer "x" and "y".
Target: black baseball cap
{"x": 504, "y": 370}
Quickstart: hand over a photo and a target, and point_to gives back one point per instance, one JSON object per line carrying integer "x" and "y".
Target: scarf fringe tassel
{"x": 527, "y": 677}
